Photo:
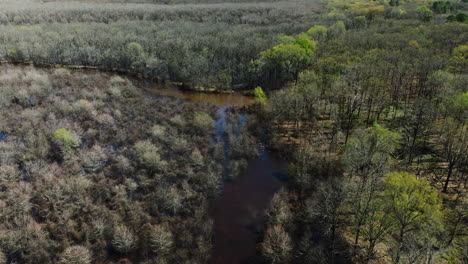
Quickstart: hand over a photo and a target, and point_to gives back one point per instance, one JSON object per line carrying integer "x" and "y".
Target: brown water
{"x": 239, "y": 212}
{"x": 221, "y": 100}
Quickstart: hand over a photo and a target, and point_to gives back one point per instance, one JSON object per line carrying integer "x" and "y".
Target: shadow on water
{"x": 239, "y": 212}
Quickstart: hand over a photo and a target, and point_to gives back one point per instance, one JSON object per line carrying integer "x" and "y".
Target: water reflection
{"x": 222, "y": 100}
{"x": 239, "y": 213}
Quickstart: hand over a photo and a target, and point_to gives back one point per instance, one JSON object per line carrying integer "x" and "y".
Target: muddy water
{"x": 220, "y": 100}
{"x": 239, "y": 213}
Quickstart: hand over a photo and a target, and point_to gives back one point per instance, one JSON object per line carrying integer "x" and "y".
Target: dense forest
{"x": 377, "y": 122}
{"x": 92, "y": 168}
{"x": 198, "y": 44}
{"x": 366, "y": 100}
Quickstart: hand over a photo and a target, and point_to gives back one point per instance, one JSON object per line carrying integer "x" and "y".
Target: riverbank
{"x": 186, "y": 86}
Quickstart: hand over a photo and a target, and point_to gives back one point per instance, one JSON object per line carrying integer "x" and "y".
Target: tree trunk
{"x": 449, "y": 174}
{"x": 400, "y": 245}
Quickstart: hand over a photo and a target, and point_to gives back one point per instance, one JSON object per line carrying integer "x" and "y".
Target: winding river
{"x": 239, "y": 212}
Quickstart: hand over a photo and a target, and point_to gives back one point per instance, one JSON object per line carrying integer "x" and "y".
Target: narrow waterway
{"x": 239, "y": 212}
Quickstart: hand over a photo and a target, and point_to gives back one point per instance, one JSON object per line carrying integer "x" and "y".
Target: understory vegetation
{"x": 92, "y": 170}
{"x": 377, "y": 124}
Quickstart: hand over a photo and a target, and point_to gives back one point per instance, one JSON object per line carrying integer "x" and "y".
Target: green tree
{"x": 136, "y": 55}
{"x": 461, "y": 17}
{"x": 65, "y": 140}
{"x": 459, "y": 58}
{"x": 457, "y": 107}
{"x": 260, "y": 96}
{"x": 424, "y": 13}
{"x": 413, "y": 204}
{"x": 337, "y": 29}
{"x": 284, "y": 62}
{"x": 454, "y": 139}
{"x": 318, "y": 33}
{"x": 366, "y": 158}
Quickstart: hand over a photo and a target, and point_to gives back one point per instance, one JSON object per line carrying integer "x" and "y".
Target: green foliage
{"x": 308, "y": 45}
{"x": 168, "y": 42}
{"x": 462, "y": 17}
{"x": 136, "y": 55}
{"x": 337, "y": 29}
{"x": 457, "y": 106}
{"x": 459, "y": 60}
{"x": 394, "y": 3}
{"x": 65, "y": 139}
{"x": 425, "y": 14}
{"x": 12, "y": 53}
{"x": 415, "y": 210}
{"x": 203, "y": 121}
{"x": 451, "y": 18}
{"x": 260, "y": 96}
{"x": 397, "y": 12}
{"x": 317, "y": 33}
{"x": 369, "y": 150}
{"x": 413, "y": 202}
{"x": 359, "y": 21}
{"x": 442, "y": 7}
{"x": 284, "y": 62}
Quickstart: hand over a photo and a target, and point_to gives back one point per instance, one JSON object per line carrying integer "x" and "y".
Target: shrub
{"x": 260, "y": 96}
{"x": 461, "y": 17}
{"x": 158, "y": 131}
{"x": 9, "y": 173}
{"x": 93, "y": 159}
{"x": 76, "y": 255}
{"x": 337, "y": 29}
{"x": 178, "y": 121}
{"x": 424, "y": 13}
{"x": 203, "y": 121}
{"x": 451, "y": 18}
{"x": 441, "y": 7}
{"x": 65, "y": 139}
{"x": 149, "y": 155}
{"x": 197, "y": 157}
{"x": 359, "y": 21}
{"x": 84, "y": 109}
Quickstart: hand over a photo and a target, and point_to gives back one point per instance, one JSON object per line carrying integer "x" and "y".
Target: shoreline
{"x": 184, "y": 86}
